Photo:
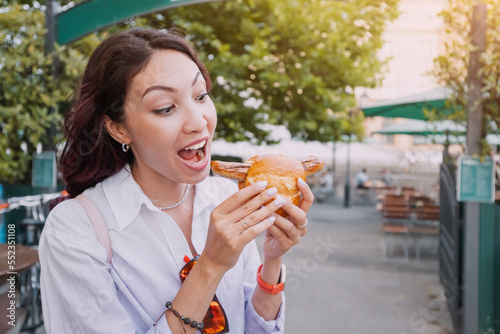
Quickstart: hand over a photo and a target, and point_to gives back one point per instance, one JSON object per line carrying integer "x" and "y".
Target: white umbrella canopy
{"x": 423, "y": 128}
{"x": 492, "y": 139}
{"x": 438, "y": 93}
{"x": 360, "y": 153}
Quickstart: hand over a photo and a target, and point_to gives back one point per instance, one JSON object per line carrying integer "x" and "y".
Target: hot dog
{"x": 279, "y": 170}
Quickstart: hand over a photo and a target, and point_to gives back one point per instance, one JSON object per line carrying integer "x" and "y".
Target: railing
{"x": 28, "y": 279}
{"x": 29, "y": 201}
{"x": 450, "y": 241}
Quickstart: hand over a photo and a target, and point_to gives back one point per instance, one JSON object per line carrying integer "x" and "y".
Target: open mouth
{"x": 195, "y": 153}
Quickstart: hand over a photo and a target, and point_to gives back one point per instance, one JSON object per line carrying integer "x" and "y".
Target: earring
{"x": 125, "y": 147}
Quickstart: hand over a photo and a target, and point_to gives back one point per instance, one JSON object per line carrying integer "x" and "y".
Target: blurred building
{"x": 411, "y": 42}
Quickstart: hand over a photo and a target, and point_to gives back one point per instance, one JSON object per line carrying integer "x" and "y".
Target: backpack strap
{"x": 100, "y": 227}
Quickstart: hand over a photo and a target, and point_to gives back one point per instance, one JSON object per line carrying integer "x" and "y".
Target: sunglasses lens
{"x": 214, "y": 320}
{"x": 186, "y": 270}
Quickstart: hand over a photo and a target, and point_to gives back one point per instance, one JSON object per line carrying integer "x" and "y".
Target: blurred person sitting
{"x": 326, "y": 183}
{"x": 385, "y": 179}
{"x": 363, "y": 180}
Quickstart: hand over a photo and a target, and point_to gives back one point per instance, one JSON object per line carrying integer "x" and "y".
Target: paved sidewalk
{"x": 339, "y": 282}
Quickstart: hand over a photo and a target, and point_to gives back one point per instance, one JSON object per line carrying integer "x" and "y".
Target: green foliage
{"x": 28, "y": 88}
{"x": 289, "y": 62}
{"x": 452, "y": 68}
{"x": 35, "y": 4}
{"x": 283, "y": 62}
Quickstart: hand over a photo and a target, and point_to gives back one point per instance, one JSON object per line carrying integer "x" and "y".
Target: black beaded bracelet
{"x": 187, "y": 321}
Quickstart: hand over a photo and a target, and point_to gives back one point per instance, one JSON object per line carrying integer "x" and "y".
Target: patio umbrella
{"x": 422, "y": 128}
{"x": 411, "y": 106}
{"x": 439, "y": 132}
{"x": 491, "y": 139}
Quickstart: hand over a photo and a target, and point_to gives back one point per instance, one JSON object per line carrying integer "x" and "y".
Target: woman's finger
{"x": 307, "y": 195}
{"x": 289, "y": 229}
{"x": 257, "y": 216}
{"x": 238, "y": 199}
{"x": 256, "y": 203}
{"x": 255, "y": 230}
{"x": 283, "y": 239}
{"x": 296, "y": 215}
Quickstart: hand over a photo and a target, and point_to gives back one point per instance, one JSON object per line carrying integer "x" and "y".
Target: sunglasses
{"x": 215, "y": 320}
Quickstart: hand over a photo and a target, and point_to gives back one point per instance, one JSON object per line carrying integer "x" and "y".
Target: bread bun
{"x": 279, "y": 170}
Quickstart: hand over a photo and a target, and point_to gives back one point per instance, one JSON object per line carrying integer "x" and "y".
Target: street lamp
{"x": 364, "y": 99}
{"x": 333, "y": 161}
{"x": 347, "y": 188}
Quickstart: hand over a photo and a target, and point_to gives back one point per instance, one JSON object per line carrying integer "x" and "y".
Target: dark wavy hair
{"x": 90, "y": 154}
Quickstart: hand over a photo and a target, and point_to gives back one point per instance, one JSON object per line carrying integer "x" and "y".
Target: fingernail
{"x": 262, "y": 184}
{"x": 302, "y": 182}
{"x": 279, "y": 200}
{"x": 272, "y": 191}
{"x": 272, "y": 219}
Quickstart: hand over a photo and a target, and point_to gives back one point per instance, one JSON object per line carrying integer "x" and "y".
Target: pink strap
{"x": 99, "y": 226}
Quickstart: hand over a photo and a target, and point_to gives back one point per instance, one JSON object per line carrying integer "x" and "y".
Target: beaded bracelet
{"x": 187, "y": 321}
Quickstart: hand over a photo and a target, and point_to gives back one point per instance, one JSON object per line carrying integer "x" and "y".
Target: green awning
{"x": 411, "y": 106}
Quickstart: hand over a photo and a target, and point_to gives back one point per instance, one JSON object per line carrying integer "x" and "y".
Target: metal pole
{"x": 50, "y": 39}
{"x": 474, "y": 135}
{"x": 347, "y": 187}
{"x": 333, "y": 162}
{"x": 50, "y": 25}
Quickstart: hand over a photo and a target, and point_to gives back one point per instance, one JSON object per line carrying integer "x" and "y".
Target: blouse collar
{"x": 126, "y": 197}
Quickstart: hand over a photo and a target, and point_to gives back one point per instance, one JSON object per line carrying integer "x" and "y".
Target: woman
{"x": 138, "y": 145}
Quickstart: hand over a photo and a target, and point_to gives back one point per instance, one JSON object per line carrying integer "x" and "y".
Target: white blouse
{"x": 82, "y": 293}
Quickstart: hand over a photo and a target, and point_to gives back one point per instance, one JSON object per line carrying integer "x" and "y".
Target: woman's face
{"x": 170, "y": 118}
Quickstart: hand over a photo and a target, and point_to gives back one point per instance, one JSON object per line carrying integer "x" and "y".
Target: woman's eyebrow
{"x": 167, "y": 88}
{"x": 159, "y": 87}
{"x": 195, "y": 78}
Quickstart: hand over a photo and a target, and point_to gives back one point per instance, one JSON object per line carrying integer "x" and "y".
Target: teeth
{"x": 196, "y": 146}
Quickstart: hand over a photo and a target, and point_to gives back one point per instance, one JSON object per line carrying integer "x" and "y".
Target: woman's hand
{"x": 237, "y": 221}
{"x": 285, "y": 233}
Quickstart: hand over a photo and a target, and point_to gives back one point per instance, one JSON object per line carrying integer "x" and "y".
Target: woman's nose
{"x": 195, "y": 119}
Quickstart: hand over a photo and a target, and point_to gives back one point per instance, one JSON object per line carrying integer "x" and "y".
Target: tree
{"x": 452, "y": 67}
{"x": 288, "y": 62}
{"x": 28, "y": 87}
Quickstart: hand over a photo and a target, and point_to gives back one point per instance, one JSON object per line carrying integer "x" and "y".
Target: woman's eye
{"x": 164, "y": 111}
{"x": 202, "y": 97}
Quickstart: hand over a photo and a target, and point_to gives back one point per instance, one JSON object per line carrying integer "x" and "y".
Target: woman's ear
{"x": 116, "y": 130}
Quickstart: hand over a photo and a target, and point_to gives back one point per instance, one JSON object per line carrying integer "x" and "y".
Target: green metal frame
{"x": 496, "y": 266}
{"x": 93, "y": 15}
{"x": 489, "y": 269}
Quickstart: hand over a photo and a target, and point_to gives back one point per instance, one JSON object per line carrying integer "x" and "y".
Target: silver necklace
{"x": 176, "y": 204}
